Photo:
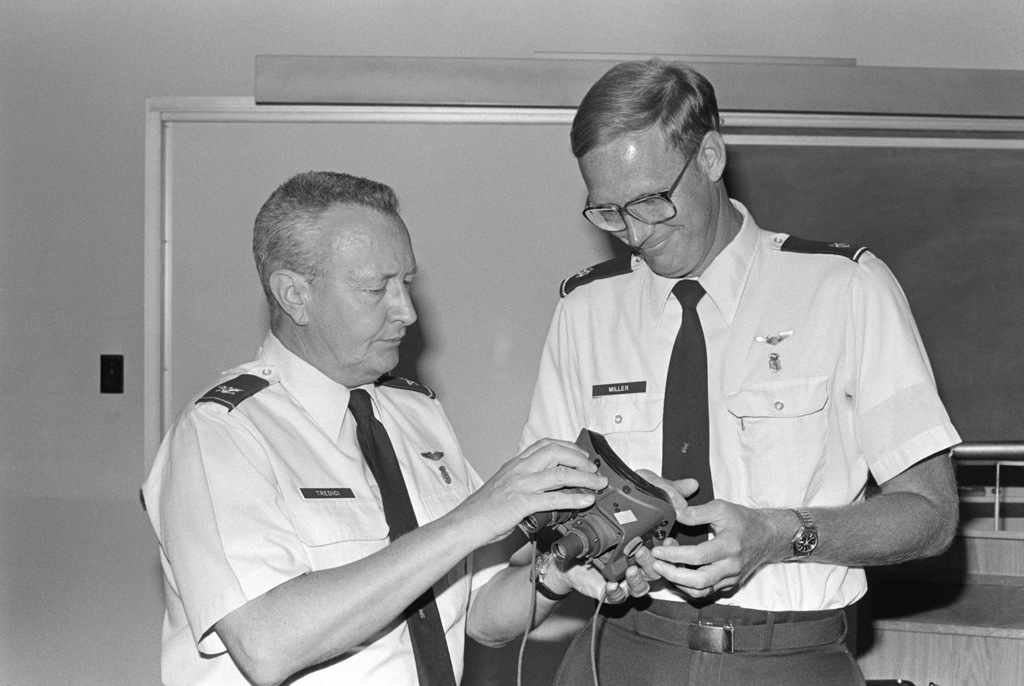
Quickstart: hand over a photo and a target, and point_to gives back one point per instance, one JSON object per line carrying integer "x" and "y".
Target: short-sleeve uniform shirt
{"x": 816, "y": 376}
{"x": 245, "y": 499}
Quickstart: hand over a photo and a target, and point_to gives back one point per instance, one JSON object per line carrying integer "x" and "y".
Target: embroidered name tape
{"x": 319, "y": 493}
{"x": 620, "y": 388}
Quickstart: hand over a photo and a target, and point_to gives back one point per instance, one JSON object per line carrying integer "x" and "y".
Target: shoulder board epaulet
{"x": 407, "y": 384}
{"x": 231, "y": 393}
{"x": 623, "y": 264}
{"x": 802, "y": 245}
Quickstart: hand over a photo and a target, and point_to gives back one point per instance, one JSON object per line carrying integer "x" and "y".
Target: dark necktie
{"x": 685, "y": 426}
{"x": 433, "y": 663}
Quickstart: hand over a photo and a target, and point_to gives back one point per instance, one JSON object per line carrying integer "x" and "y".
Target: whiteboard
{"x": 492, "y": 198}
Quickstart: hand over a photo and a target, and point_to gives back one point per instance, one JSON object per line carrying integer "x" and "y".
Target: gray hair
{"x": 634, "y": 96}
{"x": 287, "y": 233}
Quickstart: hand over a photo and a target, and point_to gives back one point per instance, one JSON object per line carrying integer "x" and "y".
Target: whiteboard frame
{"x": 163, "y": 112}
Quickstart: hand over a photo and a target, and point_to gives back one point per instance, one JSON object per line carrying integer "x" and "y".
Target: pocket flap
{"x": 326, "y": 522}
{"x": 792, "y": 398}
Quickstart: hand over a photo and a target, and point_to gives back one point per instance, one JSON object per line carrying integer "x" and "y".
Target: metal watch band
{"x": 805, "y": 540}
{"x": 805, "y": 517}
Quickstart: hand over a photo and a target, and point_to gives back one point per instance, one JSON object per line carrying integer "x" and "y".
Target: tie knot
{"x": 689, "y": 293}
{"x": 359, "y": 403}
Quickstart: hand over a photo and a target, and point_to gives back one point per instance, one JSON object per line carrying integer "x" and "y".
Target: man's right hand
{"x": 546, "y": 476}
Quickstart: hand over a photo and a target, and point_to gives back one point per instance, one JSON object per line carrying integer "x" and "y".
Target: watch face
{"x": 806, "y": 542}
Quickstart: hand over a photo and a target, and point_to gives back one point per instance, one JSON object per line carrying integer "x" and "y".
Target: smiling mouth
{"x": 649, "y": 247}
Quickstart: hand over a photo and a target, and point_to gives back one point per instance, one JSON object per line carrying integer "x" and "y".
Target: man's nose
{"x": 636, "y": 231}
{"x": 404, "y": 310}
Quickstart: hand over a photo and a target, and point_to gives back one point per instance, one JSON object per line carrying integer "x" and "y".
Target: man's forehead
{"x": 378, "y": 250}
{"x": 628, "y": 166}
{"x": 636, "y": 147}
{"x": 630, "y": 151}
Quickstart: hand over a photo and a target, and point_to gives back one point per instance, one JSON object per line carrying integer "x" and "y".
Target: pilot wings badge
{"x": 435, "y": 456}
{"x": 774, "y": 338}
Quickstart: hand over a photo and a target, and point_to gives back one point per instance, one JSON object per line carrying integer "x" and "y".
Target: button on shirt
{"x": 816, "y": 376}
{"x": 243, "y": 501}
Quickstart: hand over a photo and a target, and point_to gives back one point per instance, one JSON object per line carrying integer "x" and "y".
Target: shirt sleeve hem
{"x": 250, "y": 586}
{"x": 913, "y": 451}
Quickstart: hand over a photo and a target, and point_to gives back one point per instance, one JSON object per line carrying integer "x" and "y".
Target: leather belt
{"x": 711, "y": 638}
{"x": 714, "y": 636}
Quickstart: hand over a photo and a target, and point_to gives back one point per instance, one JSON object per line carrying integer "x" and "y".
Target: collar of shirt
{"x": 723, "y": 280}
{"x": 324, "y": 399}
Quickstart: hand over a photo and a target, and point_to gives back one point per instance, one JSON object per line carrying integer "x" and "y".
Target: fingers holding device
{"x": 628, "y": 514}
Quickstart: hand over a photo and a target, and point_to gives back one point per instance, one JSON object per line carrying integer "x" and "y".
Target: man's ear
{"x": 292, "y": 292}
{"x": 712, "y": 155}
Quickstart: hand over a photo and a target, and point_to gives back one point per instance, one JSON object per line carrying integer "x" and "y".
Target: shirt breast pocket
{"x": 781, "y": 428}
{"x": 632, "y": 425}
{"x": 338, "y": 531}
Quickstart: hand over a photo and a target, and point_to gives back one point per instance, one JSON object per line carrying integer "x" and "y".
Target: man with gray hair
{"x": 766, "y": 375}
{"x": 317, "y": 519}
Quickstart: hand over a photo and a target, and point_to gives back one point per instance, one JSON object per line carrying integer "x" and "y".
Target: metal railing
{"x": 998, "y": 453}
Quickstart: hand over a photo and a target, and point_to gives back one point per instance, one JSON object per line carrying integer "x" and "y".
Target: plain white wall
{"x": 80, "y": 598}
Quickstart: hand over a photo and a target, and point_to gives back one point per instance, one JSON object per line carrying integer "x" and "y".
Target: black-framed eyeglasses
{"x": 655, "y": 208}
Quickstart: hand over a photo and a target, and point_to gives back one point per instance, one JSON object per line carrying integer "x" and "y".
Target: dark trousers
{"x": 648, "y": 643}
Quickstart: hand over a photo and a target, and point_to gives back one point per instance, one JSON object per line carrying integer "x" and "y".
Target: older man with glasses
{"x": 769, "y": 377}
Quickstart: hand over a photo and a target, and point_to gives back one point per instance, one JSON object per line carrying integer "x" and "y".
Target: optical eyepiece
{"x": 570, "y": 546}
{"x": 535, "y": 522}
{"x": 589, "y": 536}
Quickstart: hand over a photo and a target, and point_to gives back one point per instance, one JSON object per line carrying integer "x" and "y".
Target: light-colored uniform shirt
{"x": 816, "y": 376}
{"x": 244, "y": 500}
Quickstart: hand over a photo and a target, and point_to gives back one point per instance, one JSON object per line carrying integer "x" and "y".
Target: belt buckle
{"x": 711, "y": 638}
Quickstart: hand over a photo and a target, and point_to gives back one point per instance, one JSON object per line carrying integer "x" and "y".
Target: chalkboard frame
{"x": 742, "y": 128}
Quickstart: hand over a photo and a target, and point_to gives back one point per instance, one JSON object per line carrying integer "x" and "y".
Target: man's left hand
{"x": 743, "y": 542}
{"x": 586, "y": 579}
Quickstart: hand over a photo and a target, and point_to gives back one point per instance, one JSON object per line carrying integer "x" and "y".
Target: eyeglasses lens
{"x": 608, "y": 218}
{"x": 653, "y": 210}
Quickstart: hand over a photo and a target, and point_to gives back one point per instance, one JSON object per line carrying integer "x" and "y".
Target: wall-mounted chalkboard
{"x": 492, "y": 199}
{"x": 949, "y": 222}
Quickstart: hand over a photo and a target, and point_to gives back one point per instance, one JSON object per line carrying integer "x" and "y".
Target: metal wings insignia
{"x": 435, "y": 456}
{"x": 774, "y": 338}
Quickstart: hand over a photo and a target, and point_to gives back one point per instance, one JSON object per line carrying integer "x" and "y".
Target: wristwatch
{"x": 540, "y": 570}
{"x": 805, "y": 540}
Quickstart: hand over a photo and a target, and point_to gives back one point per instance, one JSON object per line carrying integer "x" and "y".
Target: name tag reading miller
{"x": 620, "y": 388}
{"x": 317, "y": 493}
